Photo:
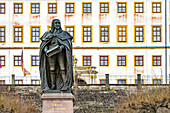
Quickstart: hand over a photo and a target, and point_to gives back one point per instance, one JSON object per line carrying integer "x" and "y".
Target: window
{"x": 70, "y": 29}
{"x": 104, "y": 7}
{"x": 2, "y": 60}
{"x": 121, "y": 7}
{"x": 86, "y": 60}
{"x": 35, "y": 34}
{"x": 139, "y": 33}
{"x": 87, "y": 34}
{"x": 104, "y": 33}
{"x": 18, "y": 81}
{"x": 18, "y": 34}
{"x": 121, "y": 60}
{"x": 122, "y": 81}
{"x": 87, "y": 7}
{"x": 104, "y": 60}
{"x": 2, "y": 82}
{"x": 139, "y": 8}
{"x": 35, "y": 8}
{"x": 157, "y": 81}
{"x": 18, "y": 8}
{"x": 52, "y": 8}
{"x": 122, "y": 34}
{"x": 17, "y": 60}
{"x": 69, "y": 7}
{"x": 34, "y": 60}
{"x": 156, "y": 33}
{"x": 35, "y": 82}
{"x": 2, "y": 8}
{"x": 2, "y": 34}
{"x": 142, "y": 81}
{"x": 156, "y": 60}
{"x": 138, "y": 60}
{"x": 102, "y": 81}
{"x": 156, "y": 7}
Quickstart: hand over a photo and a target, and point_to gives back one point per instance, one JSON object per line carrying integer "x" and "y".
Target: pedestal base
{"x": 57, "y": 102}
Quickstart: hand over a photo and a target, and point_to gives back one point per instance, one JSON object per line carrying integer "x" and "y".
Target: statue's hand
{"x": 62, "y": 47}
{"x": 45, "y": 49}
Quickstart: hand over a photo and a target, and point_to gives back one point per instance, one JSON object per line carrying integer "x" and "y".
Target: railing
{"x": 96, "y": 79}
{"x": 25, "y": 80}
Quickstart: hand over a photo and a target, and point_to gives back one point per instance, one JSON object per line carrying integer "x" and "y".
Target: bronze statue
{"x": 55, "y": 66}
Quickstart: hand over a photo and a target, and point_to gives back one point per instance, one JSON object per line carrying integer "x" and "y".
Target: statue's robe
{"x": 64, "y": 39}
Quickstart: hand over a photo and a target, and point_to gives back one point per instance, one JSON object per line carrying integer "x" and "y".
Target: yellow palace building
{"x": 117, "y": 37}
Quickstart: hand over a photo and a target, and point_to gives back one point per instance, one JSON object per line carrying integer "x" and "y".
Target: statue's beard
{"x": 57, "y": 27}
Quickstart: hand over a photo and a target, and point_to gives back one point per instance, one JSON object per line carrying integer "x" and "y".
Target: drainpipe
{"x": 166, "y": 41}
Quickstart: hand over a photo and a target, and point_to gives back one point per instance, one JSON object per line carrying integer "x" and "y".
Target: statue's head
{"x": 56, "y": 24}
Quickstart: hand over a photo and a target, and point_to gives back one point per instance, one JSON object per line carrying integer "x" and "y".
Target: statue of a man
{"x": 55, "y": 66}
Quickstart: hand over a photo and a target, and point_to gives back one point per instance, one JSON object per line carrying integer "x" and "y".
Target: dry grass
{"x": 146, "y": 101}
{"x": 13, "y": 103}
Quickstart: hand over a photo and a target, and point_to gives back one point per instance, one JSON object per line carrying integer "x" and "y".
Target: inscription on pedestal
{"x": 57, "y": 107}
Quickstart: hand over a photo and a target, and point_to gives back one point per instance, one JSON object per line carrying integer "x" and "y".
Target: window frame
{"x": 118, "y": 8}
{"x": 22, "y": 34}
{"x": 135, "y": 61}
{"x": 121, "y": 80}
{"x": 83, "y": 8}
{"x": 83, "y": 34}
{"x": 135, "y": 8}
{"x": 156, "y": 79}
{"x": 152, "y": 33}
{"x": 4, "y": 7}
{"x": 4, "y": 60}
{"x": 141, "y": 79}
{"x": 35, "y": 61}
{"x": 4, "y": 34}
{"x": 18, "y": 80}
{"x": 35, "y": 7}
{"x": 135, "y": 26}
{"x": 86, "y": 60}
{"x": 31, "y": 34}
{"x": 160, "y": 7}
{"x": 48, "y": 27}
{"x": 100, "y": 60}
{"x": 3, "y": 81}
{"x": 100, "y": 33}
{"x": 160, "y": 60}
{"x": 52, "y": 4}
{"x": 125, "y": 61}
{"x": 73, "y": 7}
{"x": 101, "y": 80}
{"x": 126, "y": 38}
{"x": 69, "y": 26}
{"x": 14, "y": 7}
{"x": 100, "y": 7}
{"x": 36, "y": 80}
{"x": 14, "y": 60}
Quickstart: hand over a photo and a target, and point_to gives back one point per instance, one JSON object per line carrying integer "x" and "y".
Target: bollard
{"x": 13, "y": 79}
{"x": 139, "y": 81}
{"x": 76, "y": 81}
{"x": 107, "y": 87}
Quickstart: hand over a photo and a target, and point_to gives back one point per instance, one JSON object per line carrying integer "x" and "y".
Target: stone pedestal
{"x": 57, "y": 102}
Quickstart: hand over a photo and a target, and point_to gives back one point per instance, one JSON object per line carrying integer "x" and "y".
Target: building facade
{"x": 119, "y": 37}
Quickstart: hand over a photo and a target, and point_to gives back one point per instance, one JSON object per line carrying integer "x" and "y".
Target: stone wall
{"x": 88, "y": 99}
